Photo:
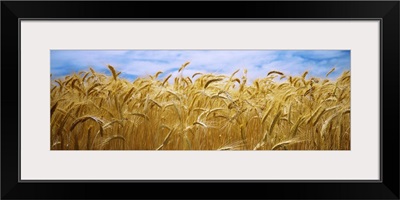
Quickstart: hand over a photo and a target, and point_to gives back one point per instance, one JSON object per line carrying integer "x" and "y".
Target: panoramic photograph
{"x": 222, "y": 100}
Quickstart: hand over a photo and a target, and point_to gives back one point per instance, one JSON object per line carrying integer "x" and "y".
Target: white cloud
{"x": 148, "y": 62}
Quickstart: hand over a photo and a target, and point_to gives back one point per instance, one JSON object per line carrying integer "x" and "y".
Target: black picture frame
{"x": 385, "y": 11}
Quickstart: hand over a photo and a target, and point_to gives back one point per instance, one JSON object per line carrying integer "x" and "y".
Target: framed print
{"x": 288, "y": 96}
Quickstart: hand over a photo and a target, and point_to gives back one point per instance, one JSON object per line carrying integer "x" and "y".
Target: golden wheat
{"x": 92, "y": 111}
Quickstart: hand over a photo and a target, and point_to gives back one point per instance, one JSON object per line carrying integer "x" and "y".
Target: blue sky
{"x": 141, "y": 63}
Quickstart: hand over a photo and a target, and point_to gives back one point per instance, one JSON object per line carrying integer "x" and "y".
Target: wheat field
{"x": 93, "y": 111}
